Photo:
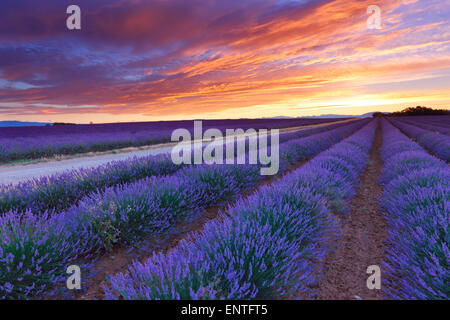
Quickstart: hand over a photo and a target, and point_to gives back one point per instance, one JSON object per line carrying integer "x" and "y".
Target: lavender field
{"x": 147, "y": 228}
{"x": 39, "y": 142}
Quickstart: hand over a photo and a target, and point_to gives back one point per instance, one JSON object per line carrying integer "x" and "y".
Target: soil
{"x": 362, "y": 241}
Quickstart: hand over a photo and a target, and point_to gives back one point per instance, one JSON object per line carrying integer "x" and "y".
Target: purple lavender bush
{"x": 34, "y": 252}
{"x": 416, "y": 205}
{"x": 436, "y": 124}
{"x": 57, "y": 192}
{"x": 303, "y": 133}
{"x": 438, "y": 144}
{"x": 305, "y": 148}
{"x": 422, "y": 122}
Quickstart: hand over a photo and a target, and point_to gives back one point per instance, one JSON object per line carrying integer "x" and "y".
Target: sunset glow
{"x": 136, "y": 60}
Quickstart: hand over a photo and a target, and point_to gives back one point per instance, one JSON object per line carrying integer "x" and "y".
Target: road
{"x": 13, "y": 174}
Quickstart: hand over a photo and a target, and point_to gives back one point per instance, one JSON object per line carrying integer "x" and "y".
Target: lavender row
{"x": 58, "y": 192}
{"x": 156, "y": 126}
{"x": 441, "y": 121}
{"x": 416, "y": 204}
{"x": 38, "y": 142}
{"x": 436, "y": 143}
{"x": 26, "y": 148}
{"x": 286, "y": 136}
{"x": 264, "y": 247}
{"x": 425, "y": 125}
{"x": 296, "y": 150}
{"x": 35, "y": 249}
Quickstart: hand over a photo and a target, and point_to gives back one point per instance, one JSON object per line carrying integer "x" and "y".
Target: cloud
{"x": 186, "y": 58}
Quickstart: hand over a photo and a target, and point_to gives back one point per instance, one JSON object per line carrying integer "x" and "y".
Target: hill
{"x": 22, "y": 124}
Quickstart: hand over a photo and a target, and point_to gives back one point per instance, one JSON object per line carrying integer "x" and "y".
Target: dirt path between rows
{"x": 364, "y": 234}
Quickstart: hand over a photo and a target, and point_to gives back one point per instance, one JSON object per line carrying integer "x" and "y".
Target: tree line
{"x": 414, "y": 111}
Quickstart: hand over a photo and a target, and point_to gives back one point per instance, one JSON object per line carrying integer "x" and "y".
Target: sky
{"x": 144, "y": 60}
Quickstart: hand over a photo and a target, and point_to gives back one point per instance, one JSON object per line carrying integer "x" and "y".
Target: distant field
{"x": 21, "y": 143}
